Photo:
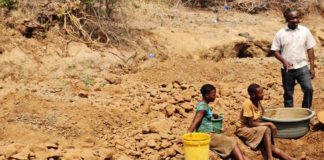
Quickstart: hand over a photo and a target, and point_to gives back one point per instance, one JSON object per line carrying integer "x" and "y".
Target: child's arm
{"x": 197, "y": 119}
{"x": 255, "y": 123}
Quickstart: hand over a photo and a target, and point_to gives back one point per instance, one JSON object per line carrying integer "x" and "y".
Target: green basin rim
{"x": 311, "y": 115}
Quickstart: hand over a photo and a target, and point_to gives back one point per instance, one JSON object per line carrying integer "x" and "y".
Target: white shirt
{"x": 293, "y": 45}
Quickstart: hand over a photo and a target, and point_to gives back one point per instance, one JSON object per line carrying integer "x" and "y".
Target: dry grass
{"x": 89, "y": 21}
{"x": 104, "y": 22}
{"x": 256, "y": 6}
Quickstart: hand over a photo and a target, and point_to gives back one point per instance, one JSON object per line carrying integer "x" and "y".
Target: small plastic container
{"x": 217, "y": 124}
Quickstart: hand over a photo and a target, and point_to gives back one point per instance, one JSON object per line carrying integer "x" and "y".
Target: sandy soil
{"x": 61, "y": 99}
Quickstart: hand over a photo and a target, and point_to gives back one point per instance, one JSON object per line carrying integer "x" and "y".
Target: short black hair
{"x": 288, "y": 11}
{"x": 206, "y": 89}
{"x": 253, "y": 88}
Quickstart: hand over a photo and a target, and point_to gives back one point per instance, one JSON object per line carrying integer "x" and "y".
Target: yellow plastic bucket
{"x": 196, "y": 146}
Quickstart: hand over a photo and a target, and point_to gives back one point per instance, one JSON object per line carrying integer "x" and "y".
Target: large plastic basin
{"x": 291, "y": 122}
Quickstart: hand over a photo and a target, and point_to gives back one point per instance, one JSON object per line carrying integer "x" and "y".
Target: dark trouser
{"x": 303, "y": 77}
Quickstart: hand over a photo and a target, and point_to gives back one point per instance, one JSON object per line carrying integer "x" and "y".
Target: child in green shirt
{"x": 223, "y": 145}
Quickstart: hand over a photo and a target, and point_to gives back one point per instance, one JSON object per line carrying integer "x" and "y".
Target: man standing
{"x": 290, "y": 46}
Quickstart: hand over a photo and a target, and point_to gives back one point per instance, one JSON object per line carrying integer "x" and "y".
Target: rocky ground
{"x": 62, "y": 99}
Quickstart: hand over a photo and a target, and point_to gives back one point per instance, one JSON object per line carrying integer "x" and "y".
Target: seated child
{"x": 223, "y": 145}
{"x": 255, "y": 133}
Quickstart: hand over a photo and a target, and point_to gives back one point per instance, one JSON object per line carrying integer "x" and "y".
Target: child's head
{"x": 208, "y": 92}
{"x": 255, "y": 91}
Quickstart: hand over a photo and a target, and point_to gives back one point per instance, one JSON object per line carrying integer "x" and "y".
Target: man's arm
{"x": 285, "y": 63}
{"x": 311, "y": 57}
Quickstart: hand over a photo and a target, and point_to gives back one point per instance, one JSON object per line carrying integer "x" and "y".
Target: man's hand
{"x": 312, "y": 73}
{"x": 287, "y": 65}
{"x": 284, "y": 62}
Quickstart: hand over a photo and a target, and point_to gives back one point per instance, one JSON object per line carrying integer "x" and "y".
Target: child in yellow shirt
{"x": 253, "y": 131}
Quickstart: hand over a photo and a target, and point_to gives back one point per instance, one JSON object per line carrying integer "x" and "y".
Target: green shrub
{"x": 87, "y": 1}
{"x": 87, "y": 79}
{"x": 8, "y": 3}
